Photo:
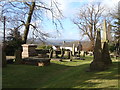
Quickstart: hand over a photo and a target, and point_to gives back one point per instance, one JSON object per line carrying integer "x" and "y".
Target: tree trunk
{"x": 93, "y": 44}
{"x": 27, "y": 25}
{"x": 4, "y": 62}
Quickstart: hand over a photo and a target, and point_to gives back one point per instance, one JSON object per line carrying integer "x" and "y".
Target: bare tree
{"x": 23, "y": 14}
{"x": 88, "y": 20}
{"x": 115, "y": 14}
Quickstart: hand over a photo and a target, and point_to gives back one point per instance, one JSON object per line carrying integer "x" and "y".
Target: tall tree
{"x": 116, "y": 16}
{"x": 24, "y": 14}
{"x": 88, "y": 20}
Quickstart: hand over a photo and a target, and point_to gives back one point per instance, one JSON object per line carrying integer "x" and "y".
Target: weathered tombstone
{"x": 83, "y": 53}
{"x": 73, "y": 50}
{"x": 42, "y": 53}
{"x": 36, "y": 61}
{"x": 18, "y": 56}
{"x": 105, "y": 51}
{"x": 51, "y": 53}
{"x": 29, "y": 50}
{"x": 97, "y": 63}
{"x": 68, "y": 54}
{"x": 79, "y": 48}
{"x": 62, "y": 53}
{"x": 105, "y": 54}
{"x": 105, "y": 36}
{"x": 57, "y": 52}
{"x": 104, "y": 31}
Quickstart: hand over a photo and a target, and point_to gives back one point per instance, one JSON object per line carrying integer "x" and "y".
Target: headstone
{"x": 97, "y": 63}
{"x": 73, "y": 50}
{"x": 51, "y": 53}
{"x": 79, "y": 48}
{"x": 105, "y": 54}
{"x": 68, "y": 54}
{"x": 104, "y": 31}
{"x": 62, "y": 53}
{"x": 29, "y": 50}
{"x": 18, "y": 56}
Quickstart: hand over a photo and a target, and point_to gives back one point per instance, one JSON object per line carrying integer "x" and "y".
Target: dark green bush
{"x": 111, "y": 47}
{"x": 13, "y": 42}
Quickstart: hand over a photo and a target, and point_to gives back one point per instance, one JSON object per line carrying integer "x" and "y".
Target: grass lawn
{"x": 64, "y": 74}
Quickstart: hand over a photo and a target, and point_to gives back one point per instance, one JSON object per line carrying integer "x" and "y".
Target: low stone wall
{"x": 36, "y": 61}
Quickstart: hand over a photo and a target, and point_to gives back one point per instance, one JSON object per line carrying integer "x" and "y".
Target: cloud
{"x": 66, "y": 8}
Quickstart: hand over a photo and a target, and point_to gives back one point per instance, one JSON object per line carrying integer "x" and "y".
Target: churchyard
{"x": 33, "y": 55}
{"x": 41, "y": 70}
{"x": 63, "y": 74}
{"x": 33, "y": 67}
{"x": 26, "y": 63}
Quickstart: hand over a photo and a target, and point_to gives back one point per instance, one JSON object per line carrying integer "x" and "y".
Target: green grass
{"x": 60, "y": 75}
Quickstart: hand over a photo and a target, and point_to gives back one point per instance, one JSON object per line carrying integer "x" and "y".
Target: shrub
{"x": 112, "y": 47}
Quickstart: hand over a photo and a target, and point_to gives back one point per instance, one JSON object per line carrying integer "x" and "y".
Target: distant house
{"x": 56, "y": 46}
{"x": 69, "y": 45}
{"x": 86, "y": 45}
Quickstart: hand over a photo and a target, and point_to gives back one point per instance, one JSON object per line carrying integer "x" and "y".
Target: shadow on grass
{"x": 57, "y": 75}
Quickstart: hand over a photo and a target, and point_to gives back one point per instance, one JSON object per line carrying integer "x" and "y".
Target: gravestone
{"x": 29, "y": 50}
{"x": 42, "y": 53}
{"x": 104, "y": 31}
{"x": 18, "y": 56}
{"x": 79, "y": 48}
{"x": 36, "y": 61}
{"x": 62, "y": 53}
{"x": 97, "y": 63}
{"x": 73, "y": 50}
{"x": 51, "y": 53}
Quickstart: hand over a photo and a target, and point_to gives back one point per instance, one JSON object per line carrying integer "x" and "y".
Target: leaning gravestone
{"x": 29, "y": 50}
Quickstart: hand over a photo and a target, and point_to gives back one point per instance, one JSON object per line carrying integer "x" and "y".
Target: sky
{"x": 69, "y": 9}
